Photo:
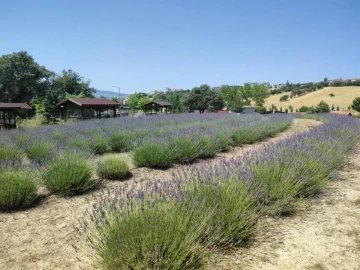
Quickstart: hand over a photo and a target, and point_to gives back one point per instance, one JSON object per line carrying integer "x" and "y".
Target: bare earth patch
{"x": 324, "y": 236}
{"x": 42, "y": 237}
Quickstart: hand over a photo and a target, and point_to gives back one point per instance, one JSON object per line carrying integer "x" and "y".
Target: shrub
{"x": 261, "y": 110}
{"x": 284, "y": 98}
{"x": 296, "y": 110}
{"x": 58, "y": 135}
{"x": 11, "y": 154}
{"x": 207, "y": 147}
{"x": 304, "y": 109}
{"x": 112, "y": 168}
{"x": 332, "y": 107}
{"x": 68, "y": 174}
{"x": 153, "y": 155}
{"x": 232, "y": 209}
{"x": 147, "y": 235}
{"x": 337, "y": 108}
{"x": 331, "y": 95}
{"x": 119, "y": 142}
{"x": 356, "y": 104}
{"x": 99, "y": 145}
{"x": 185, "y": 149}
{"x": 78, "y": 142}
{"x": 286, "y": 110}
{"x": 322, "y": 107}
{"x": 17, "y": 189}
{"x": 278, "y": 186}
{"x": 40, "y": 151}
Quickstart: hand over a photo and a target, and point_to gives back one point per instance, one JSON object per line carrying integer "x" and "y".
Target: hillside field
{"x": 343, "y": 98}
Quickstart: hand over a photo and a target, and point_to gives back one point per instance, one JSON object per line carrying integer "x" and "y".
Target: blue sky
{"x": 144, "y": 45}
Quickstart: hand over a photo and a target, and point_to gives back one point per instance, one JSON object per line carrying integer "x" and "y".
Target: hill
{"x": 109, "y": 94}
{"x": 343, "y": 98}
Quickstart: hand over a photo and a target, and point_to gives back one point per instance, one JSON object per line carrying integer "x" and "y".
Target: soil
{"x": 42, "y": 237}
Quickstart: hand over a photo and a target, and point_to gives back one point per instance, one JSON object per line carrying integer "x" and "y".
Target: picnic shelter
{"x": 8, "y": 113}
{"x": 157, "y": 106}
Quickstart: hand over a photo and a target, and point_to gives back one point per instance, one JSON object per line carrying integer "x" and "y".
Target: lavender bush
{"x": 18, "y": 189}
{"x": 112, "y": 168}
{"x": 212, "y": 206}
{"x": 68, "y": 174}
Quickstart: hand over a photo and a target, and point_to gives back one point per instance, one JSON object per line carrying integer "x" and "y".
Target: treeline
{"x": 204, "y": 98}
{"x": 24, "y": 80}
{"x": 298, "y": 89}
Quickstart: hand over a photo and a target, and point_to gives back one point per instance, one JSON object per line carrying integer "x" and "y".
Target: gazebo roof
{"x": 90, "y": 102}
{"x": 160, "y": 103}
{"x": 14, "y": 106}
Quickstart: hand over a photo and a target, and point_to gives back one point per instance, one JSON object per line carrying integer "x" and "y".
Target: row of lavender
{"x": 198, "y": 137}
{"x": 202, "y": 209}
{"x": 62, "y": 157}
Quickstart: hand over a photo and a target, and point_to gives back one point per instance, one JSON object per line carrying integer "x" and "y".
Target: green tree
{"x": 203, "y": 98}
{"x": 21, "y": 78}
{"x": 259, "y": 93}
{"x": 115, "y": 99}
{"x": 286, "y": 110}
{"x": 322, "y": 107}
{"x": 246, "y": 93}
{"x": 136, "y": 101}
{"x": 142, "y": 101}
{"x": 291, "y": 108}
{"x": 332, "y": 107}
{"x": 71, "y": 83}
{"x": 304, "y": 109}
{"x": 234, "y": 98}
{"x": 175, "y": 99}
{"x": 337, "y": 108}
{"x": 356, "y": 104}
{"x": 59, "y": 87}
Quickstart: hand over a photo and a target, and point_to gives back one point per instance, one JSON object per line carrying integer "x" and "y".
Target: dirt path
{"x": 324, "y": 236}
{"x": 42, "y": 237}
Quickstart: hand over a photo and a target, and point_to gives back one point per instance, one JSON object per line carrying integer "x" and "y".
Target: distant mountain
{"x": 109, "y": 94}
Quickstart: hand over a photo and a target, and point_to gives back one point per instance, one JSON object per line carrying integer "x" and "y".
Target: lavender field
{"x": 207, "y": 208}
{"x": 65, "y": 158}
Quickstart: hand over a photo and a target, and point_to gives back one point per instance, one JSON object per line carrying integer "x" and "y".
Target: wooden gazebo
{"x": 157, "y": 106}
{"x": 8, "y": 113}
{"x": 87, "y": 108}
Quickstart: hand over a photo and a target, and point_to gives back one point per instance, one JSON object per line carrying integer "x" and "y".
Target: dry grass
{"x": 343, "y": 98}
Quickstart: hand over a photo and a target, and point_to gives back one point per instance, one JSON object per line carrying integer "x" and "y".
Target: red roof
{"x": 15, "y": 106}
{"x": 89, "y": 102}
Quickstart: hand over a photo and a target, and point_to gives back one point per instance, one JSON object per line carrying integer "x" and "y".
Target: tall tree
{"x": 203, "y": 98}
{"x": 234, "y": 97}
{"x": 259, "y": 93}
{"x": 137, "y": 100}
{"x": 21, "y": 78}
{"x": 59, "y": 87}
{"x": 175, "y": 99}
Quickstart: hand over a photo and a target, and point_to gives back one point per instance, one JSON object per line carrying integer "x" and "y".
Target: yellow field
{"x": 343, "y": 98}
